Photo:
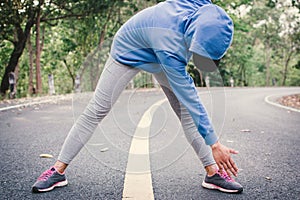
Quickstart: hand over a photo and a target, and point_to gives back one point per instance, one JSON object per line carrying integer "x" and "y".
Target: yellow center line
{"x": 138, "y": 180}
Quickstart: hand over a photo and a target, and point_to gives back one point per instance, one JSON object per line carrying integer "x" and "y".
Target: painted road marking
{"x": 138, "y": 180}
{"x": 44, "y": 100}
{"x": 267, "y": 99}
{"x": 24, "y": 105}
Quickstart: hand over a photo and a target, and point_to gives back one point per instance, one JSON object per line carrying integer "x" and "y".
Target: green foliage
{"x": 14, "y": 13}
{"x": 143, "y": 80}
{"x": 6, "y": 48}
{"x": 78, "y": 35}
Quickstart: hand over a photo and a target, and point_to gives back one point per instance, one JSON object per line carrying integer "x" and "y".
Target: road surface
{"x": 266, "y": 136}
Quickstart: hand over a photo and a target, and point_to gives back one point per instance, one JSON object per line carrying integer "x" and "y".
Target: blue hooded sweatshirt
{"x": 163, "y": 38}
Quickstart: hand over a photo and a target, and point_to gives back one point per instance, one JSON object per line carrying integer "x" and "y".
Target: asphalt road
{"x": 266, "y": 136}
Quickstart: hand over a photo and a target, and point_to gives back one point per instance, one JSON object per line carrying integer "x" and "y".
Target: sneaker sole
{"x": 59, "y": 184}
{"x": 215, "y": 187}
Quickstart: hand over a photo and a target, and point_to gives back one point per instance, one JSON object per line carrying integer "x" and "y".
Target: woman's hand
{"x": 222, "y": 156}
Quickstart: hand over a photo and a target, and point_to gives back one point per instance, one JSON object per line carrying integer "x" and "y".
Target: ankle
{"x": 60, "y": 167}
{"x": 211, "y": 169}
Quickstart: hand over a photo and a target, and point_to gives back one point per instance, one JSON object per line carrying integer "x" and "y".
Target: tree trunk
{"x": 286, "y": 64}
{"x": 268, "y": 60}
{"x": 242, "y": 81}
{"x": 39, "y": 88}
{"x": 30, "y": 54}
{"x": 201, "y": 78}
{"x": 17, "y": 70}
{"x": 19, "y": 46}
{"x": 72, "y": 75}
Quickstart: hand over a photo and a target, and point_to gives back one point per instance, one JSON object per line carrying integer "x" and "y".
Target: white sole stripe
{"x": 214, "y": 187}
{"x": 59, "y": 184}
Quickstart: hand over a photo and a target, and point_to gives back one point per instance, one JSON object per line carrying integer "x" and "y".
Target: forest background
{"x": 66, "y": 42}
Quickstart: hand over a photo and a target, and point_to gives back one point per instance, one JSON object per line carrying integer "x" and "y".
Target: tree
{"x": 99, "y": 17}
{"x": 38, "y": 48}
{"x": 276, "y": 27}
{"x": 17, "y": 19}
{"x": 289, "y": 35}
{"x": 67, "y": 38}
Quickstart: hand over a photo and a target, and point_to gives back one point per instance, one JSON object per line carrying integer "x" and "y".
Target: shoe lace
{"x": 45, "y": 175}
{"x": 224, "y": 175}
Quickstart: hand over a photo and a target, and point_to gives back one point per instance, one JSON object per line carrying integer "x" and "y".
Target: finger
{"x": 234, "y": 166}
{"x": 220, "y": 166}
{"x": 231, "y": 168}
{"x": 227, "y": 169}
{"x": 232, "y": 151}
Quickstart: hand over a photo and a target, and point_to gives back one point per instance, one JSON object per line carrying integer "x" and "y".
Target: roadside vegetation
{"x": 67, "y": 42}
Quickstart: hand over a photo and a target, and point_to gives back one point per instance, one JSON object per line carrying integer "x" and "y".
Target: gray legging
{"x": 112, "y": 82}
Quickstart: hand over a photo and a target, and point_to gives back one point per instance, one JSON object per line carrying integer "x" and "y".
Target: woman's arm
{"x": 183, "y": 87}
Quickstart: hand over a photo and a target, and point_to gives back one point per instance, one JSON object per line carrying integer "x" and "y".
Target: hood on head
{"x": 210, "y": 32}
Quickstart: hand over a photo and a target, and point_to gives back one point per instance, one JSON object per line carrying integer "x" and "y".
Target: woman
{"x": 161, "y": 40}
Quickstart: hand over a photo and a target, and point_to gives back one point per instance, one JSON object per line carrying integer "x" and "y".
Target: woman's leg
{"x": 194, "y": 138}
{"x": 112, "y": 82}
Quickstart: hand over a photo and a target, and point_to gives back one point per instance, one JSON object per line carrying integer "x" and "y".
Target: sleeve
{"x": 184, "y": 89}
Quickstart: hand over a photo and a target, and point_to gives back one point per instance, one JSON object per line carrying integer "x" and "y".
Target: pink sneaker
{"x": 222, "y": 182}
{"x": 49, "y": 180}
